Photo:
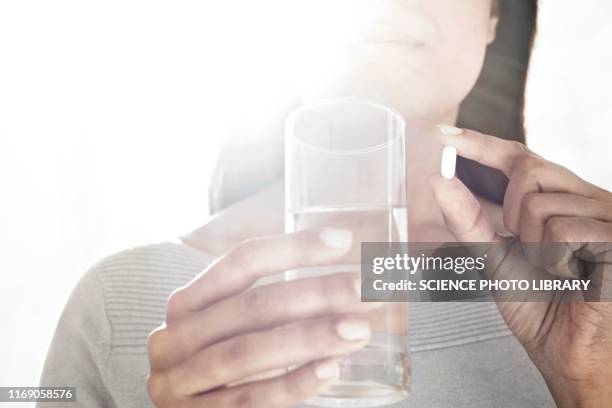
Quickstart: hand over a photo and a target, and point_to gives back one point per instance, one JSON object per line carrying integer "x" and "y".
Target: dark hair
{"x": 494, "y": 106}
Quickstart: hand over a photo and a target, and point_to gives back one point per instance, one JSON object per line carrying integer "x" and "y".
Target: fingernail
{"x": 354, "y": 329}
{"x": 449, "y": 162}
{"x": 357, "y": 285}
{"x": 337, "y": 238}
{"x": 450, "y": 130}
{"x": 327, "y": 369}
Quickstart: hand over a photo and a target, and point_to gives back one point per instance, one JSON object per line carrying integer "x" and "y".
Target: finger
{"x": 584, "y": 239}
{"x": 279, "y": 392}
{"x": 249, "y": 354}
{"x": 528, "y": 173}
{"x": 588, "y": 252}
{"x": 537, "y": 208}
{"x": 462, "y": 213}
{"x": 532, "y": 174}
{"x": 467, "y": 222}
{"x": 262, "y": 308}
{"x": 488, "y": 150}
{"x": 512, "y": 157}
{"x": 241, "y": 267}
{"x": 578, "y": 232}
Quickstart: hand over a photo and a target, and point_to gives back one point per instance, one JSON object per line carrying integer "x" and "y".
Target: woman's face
{"x": 421, "y": 57}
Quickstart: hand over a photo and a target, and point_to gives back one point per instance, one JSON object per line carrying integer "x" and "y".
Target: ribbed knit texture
{"x": 462, "y": 354}
{"x": 135, "y": 302}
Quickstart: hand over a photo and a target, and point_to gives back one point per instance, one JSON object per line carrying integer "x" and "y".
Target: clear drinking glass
{"x": 345, "y": 168}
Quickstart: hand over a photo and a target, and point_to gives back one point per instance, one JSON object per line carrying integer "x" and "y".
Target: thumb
{"x": 461, "y": 210}
{"x": 468, "y": 223}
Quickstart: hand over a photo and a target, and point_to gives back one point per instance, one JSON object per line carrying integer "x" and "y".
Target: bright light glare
{"x": 312, "y": 31}
{"x": 111, "y": 111}
{"x": 110, "y": 116}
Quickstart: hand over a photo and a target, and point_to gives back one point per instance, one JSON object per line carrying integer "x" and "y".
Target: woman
{"x": 217, "y": 335}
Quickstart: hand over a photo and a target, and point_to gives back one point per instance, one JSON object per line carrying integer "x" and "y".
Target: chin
{"x": 414, "y": 100}
{"x": 406, "y": 85}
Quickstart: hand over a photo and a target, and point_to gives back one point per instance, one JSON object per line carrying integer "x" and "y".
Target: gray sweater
{"x": 462, "y": 354}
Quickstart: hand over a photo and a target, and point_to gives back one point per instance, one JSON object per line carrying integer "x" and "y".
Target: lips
{"x": 383, "y": 40}
{"x": 391, "y": 26}
{"x": 389, "y": 37}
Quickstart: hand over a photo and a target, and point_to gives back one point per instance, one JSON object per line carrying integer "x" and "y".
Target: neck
{"x": 263, "y": 213}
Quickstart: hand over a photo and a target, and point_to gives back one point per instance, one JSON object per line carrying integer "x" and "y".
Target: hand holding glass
{"x": 345, "y": 168}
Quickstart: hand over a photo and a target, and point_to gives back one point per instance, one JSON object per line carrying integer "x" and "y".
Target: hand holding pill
{"x": 544, "y": 202}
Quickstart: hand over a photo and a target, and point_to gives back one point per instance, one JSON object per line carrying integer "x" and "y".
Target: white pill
{"x": 449, "y": 161}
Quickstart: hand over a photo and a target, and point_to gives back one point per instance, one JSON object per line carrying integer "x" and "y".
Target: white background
{"x": 110, "y": 116}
